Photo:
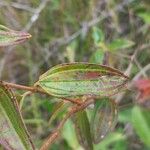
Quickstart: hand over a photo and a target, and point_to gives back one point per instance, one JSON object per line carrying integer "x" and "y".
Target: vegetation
{"x": 57, "y": 108}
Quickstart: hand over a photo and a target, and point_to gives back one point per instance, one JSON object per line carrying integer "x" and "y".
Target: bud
{"x": 11, "y": 37}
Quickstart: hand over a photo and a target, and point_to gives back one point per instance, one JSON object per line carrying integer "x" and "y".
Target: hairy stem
{"x": 23, "y": 87}
{"x": 34, "y": 89}
{"x": 74, "y": 109}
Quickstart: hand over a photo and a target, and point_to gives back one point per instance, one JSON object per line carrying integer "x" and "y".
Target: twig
{"x": 140, "y": 67}
{"x": 56, "y": 133}
{"x": 23, "y": 97}
{"x": 22, "y": 7}
{"x": 129, "y": 68}
{"x": 35, "y": 89}
{"x": 18, "y": 6}
{"x": 65, "y": 40}
{"x": 22, "y": 87}
{"x": 127, "y": 72}
{"x": 86, "y": 25}
{"x": 36, "y": 14}
{"x": 145, "y": 69}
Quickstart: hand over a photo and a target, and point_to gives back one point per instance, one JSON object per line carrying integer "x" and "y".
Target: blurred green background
{"x": 110, "y": 32}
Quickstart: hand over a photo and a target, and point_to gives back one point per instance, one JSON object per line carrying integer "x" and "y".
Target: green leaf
{"x": 59, "y": 108}
{"x": 11, "y": 37}
{"x": 124, "y": 115}
{"x": 83, "y": 132}
{"x": 110, "y": 139}
{"x": 104, "y": 119}
{"x": 78, "y": 79}
{"x": 119, "y": 44}
{"x": 68, "y": 133}
{"x": 140, "y": 121}
{"x": 120, "y": 144}
{"x": 47, "y": 104}
{"x": 98, "y": 35}
{"x": 13, "y": 133}
{"x": 97, "y": 57}
{"x": 70, "y": 51}
{"x": 145, "y": 16}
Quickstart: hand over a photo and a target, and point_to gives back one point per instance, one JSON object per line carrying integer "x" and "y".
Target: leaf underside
{"x": 83, "y": 132}
{"x": 104, "y": 119}
{"x": 13, "y": 133}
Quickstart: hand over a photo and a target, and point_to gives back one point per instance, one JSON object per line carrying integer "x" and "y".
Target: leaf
{"x": 124, "y": 115}
{"x": 143, "y": 85}
{"x": 120, "y": 144}
{"x": 119, "y": 44}
{"x": 11, "y": 37}
{"x": 83, "y": 132}
{"x": 70, "y": 51}
{"x": 145, "y": 16}
{"x": 13, "y": 133}
{"x": 78, "y": 79}
{"x": 98, "y": 35}
{"x": 104, "y": 119}
{"x": 97, "y": 57}
{"x": 140, "y": 121}
{"x": 68, "y": 133}
{"x": 59, "y": 108}
{"x": 109, "y": 140}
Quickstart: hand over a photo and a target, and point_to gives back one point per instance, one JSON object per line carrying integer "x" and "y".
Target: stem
{"x": 23, "y": 87}
{"x": 56, "y": 133}
{"x": 34, "y": 89}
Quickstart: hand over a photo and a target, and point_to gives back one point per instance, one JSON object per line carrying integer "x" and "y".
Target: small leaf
{"x": 119, "y": 44}
{"x": 103, "y": 119}
{"x": 83, "y": 132}
{"x": 98, "y": 35}
{"x": 11, "y": 37}
{"x": 78, "y": 79}
{"x": 140, "y": 121}
{"x": 13, "y": 133}
{"x": 97, "y": 57}
{"x": 70, "y": 51}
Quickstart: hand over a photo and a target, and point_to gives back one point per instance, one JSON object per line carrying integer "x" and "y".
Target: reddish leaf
{"x": 143, "y": 85}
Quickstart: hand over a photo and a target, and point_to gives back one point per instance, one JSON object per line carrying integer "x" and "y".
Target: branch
{"x": 87, "y": 25}
{"x": 144, "y": 69}
{"x": 36, "y": 14}
{"x": 34, "y": 89}
{"x": 56, "y": 133}
{"x": 26, "y": 88}
{"x": 17, "y": 6}
{"x": 129, "y": 68}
